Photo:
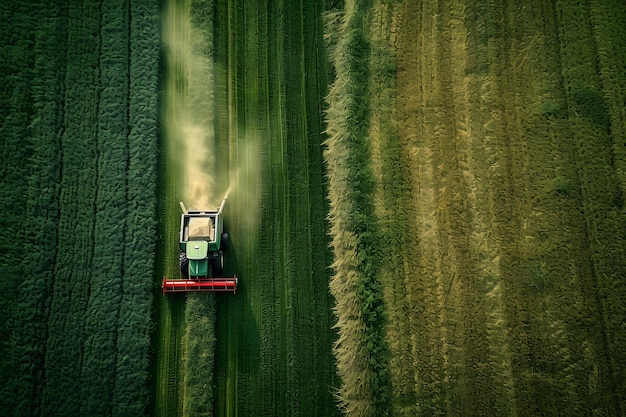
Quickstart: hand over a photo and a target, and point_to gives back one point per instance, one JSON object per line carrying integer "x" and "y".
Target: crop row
{"x": 81, "y": 271}
{"x": 361, "y": 349}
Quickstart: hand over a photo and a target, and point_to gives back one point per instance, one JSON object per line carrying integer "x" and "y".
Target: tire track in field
{"x": 541, "y": 249}
{"x": 512, "y": 175}
{"x": 456, "y": 292}
{"x": 480, "y": 130}
{"x": 422, "y": 306}
{"x": 174, "y": 355}
{"x": 171, "y": 308}
{"x": 464, "y": 314}
{"x": 503, "y": 299}
{"x": 168, "y": 392}
{"x": 601, "y": 206}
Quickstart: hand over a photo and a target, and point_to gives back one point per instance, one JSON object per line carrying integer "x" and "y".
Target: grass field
{"x": 426, "y": 207}
{"x": 79, "y": 146}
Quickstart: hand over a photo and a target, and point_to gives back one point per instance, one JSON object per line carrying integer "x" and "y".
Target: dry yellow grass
{"x": 487, "y": 206}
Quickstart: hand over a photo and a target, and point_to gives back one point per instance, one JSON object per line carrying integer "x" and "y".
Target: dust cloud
{"x": 189, "y": 109}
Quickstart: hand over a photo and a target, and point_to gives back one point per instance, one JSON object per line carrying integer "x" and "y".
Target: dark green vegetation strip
{"x": 274, "y": 337}
{"x": 79, "y": 145}
{"x": 29, "y": 195}
{"x": 135, "y": 326}
{"x": 101, "y": 318}
{"x": 598, "y": 137}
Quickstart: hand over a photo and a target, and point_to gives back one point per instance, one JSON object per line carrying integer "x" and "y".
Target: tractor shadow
{"x": 238, "y": 353}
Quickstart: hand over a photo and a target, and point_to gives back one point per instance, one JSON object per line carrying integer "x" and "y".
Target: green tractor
{"x": 203, "y": 243}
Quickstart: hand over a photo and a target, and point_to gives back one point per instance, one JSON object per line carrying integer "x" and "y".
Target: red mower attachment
{"x": 228, "y": 284}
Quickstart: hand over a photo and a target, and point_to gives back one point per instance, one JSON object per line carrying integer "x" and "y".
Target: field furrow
{"x": 74, "y": 249}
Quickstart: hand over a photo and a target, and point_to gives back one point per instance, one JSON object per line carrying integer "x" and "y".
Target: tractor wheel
{"x": 224, "y": 242}
{"x": 183, "y": 263}
{"x": 218, "y": 264}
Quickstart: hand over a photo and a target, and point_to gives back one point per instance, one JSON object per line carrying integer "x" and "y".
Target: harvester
{"x": 202, "y": 245}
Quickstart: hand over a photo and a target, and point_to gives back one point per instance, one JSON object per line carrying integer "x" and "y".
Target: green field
{"x": 425, "y": 207}
{"x": 78, "y": 126}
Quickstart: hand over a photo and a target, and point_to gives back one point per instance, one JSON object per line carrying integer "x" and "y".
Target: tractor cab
{"x": 202, "y": 245}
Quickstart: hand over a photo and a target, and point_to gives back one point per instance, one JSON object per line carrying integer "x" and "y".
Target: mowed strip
{"x": 444, "y": 279}
{"x": 274, "y": 337}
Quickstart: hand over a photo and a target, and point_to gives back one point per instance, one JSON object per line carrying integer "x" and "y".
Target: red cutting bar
{"x": 202, "y": 284}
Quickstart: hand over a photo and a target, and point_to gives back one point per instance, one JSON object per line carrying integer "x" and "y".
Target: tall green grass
{"x": 28, "y": 187}
{"x": 79, "y": 281}
{"x": 135, "y": 323}
{"x": 75, "y": 245}
{"x": 101, "y": 318}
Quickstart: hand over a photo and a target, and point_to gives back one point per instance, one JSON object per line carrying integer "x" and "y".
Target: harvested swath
{"x": 199, "y": 342}
{"x": 200, "y": 320}
{"x": 360, "y": 349}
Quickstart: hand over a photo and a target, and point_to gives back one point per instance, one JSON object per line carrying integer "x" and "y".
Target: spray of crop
{"x": 190, "y": 113}
{"x": 189, "y": 107}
